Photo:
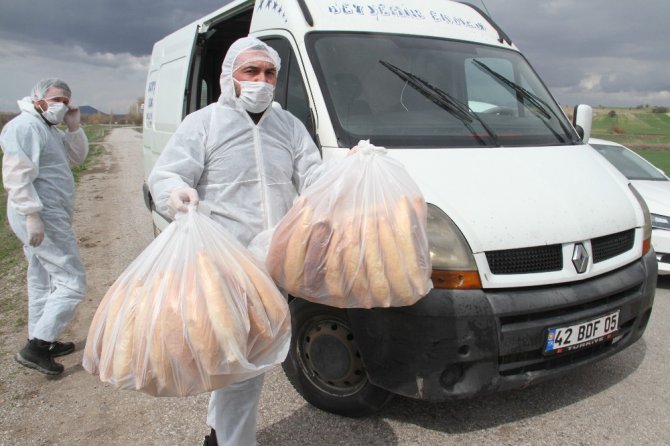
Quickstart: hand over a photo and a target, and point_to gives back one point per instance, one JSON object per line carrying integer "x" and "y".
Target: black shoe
{"x": 210, "y": 440}
{"x": 61, "y": 348}
{"x": 36, "y": 355}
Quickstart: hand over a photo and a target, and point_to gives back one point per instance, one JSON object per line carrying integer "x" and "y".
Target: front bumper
{"x": 455, "y": 344}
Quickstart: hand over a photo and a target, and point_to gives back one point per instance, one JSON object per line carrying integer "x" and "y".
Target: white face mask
{"x": 55, "y": 113}
{"x": 256, "y": 96}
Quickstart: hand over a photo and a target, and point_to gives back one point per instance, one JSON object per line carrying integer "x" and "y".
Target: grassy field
{"x": 639, "y": 129}
{"x": 10, "y": 247}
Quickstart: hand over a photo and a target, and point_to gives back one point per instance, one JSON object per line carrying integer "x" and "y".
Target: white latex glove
{"x": 180, "y": 198}
{"x": 72, "y": 118}
{"x": 35, "y": 229}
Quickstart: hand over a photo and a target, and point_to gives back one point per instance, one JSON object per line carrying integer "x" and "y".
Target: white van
{"x": 540, "y": 248}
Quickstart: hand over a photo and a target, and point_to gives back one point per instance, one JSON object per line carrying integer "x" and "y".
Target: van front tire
{"x": 324, "y": 364}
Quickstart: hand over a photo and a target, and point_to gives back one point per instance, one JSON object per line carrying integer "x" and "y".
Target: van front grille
{"x": 542, "y": 259}
{"x": 525, "y": 260}
{"x": 612, "y": 245}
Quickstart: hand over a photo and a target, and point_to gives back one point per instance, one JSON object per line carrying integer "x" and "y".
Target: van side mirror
{"x": 582, "y": 119}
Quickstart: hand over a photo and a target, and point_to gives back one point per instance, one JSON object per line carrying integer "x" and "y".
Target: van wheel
{"x": 324, "y": 364}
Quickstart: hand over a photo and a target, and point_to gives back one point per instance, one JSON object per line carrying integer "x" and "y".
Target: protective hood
{"x": 26, "y": 105}
{"x": 228, "y": 96}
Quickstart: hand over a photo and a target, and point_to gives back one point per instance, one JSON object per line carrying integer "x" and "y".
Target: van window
{"x": 412, "y": 91}
{"x": 290, "y": 91}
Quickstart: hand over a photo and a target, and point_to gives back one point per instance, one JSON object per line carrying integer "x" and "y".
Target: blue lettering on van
{"x": 151, "y": 91}
{"x": 457, "y": 21}
{"x": 375, "y": 10}
{"x": 272, "y": 6}
{"x": 346, "y": 8}
{"x": 380, "y": 10}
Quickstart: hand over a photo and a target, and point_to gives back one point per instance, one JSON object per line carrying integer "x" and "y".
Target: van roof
{"x": 438, "y": 18}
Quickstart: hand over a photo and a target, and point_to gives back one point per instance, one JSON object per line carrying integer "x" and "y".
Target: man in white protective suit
{"x": 40, "y": 187}
{"x": 251, "y": 159}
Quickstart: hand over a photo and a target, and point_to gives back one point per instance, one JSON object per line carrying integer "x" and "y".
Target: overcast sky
{"x": 599, "y": 52}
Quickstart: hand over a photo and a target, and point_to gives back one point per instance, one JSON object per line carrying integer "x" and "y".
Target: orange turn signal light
{"x": 646, "y": 246}
{"x": 461, "y": 280}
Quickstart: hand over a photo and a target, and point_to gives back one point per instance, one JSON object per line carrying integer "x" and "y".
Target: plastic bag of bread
{"x": 356, "y": 237}
{"x": 194, "y": 312}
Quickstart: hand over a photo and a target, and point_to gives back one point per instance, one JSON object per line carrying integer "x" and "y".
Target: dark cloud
{"x": 100, "y": 26}
{"x": 594, "y": 51}
{"x": 586, "y": 28}
{"x": 594, "y": 47}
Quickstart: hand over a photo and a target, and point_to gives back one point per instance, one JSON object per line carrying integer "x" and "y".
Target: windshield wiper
{"x": 530, "y": 101}
{"x": 443, "y": 100}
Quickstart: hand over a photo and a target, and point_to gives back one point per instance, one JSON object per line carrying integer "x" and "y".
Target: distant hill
{"x": 88, "y": 110}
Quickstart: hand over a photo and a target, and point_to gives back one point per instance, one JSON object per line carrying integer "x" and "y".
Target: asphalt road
{"x": 623, "y": 400}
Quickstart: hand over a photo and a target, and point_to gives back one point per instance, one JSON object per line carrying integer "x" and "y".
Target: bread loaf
{"x": 143, "y": 334}
{"x": 379, "y": 290}
{"x": 406, "y": 224}
{"x": 296, "y": 248}
{"x": 228, "y": 327}
{"x": 333, "y": 276}
{"x": 354, "y": 269}
{"x": 267, "y": 310}
{"x": 111, "y": 325}
{"x": 198, "y": 324}
{"x": 95, "y": 339}
{"x": 123, "y": 342}
{"x": 394, "y": 265}
{"x": 277, "y": 249}
{"x": 315, "y": 257}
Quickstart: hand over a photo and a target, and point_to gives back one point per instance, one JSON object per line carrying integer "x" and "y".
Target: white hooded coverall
{"x": 37, "y": 176}
{"x": 251, "y": 173}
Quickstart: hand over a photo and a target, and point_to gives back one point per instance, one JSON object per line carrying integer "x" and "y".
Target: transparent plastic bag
{"x": 356, "y": 237}
{"x": 194, "y": 312}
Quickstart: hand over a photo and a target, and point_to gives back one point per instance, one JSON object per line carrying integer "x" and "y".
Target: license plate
{"x": 573, "y": 337}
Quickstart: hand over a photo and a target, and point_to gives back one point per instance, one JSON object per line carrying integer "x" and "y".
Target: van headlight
{"x": 453, "y": 263}
{"x": 660, "y": 222}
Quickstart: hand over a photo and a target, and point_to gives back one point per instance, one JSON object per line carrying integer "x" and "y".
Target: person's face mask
{"x": 256, "y": 96}
{"x": 55, "y": 113}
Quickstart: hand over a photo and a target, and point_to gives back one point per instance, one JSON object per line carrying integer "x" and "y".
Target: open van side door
{"x": 165, "y": 91}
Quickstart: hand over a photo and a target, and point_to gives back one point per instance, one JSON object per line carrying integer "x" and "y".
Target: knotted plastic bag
{"x": 194, "y": 312}
{"x": 356, "y": 237}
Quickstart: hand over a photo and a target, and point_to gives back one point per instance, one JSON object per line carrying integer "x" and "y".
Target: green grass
{"x": 658, "y": 158}
{"x": 639, "y": 129}
{"x": 633, "y": 123}
{"x": 10, "y": 246}
{"x": 96, "y": 135}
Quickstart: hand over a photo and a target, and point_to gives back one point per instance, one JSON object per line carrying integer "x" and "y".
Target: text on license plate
{"x": 582, "y": 335}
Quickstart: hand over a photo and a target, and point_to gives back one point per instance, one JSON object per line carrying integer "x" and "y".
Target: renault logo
{"x": 580, "y": 258}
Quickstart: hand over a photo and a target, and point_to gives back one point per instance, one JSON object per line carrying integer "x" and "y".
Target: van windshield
{"x": 409, "y": 91}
